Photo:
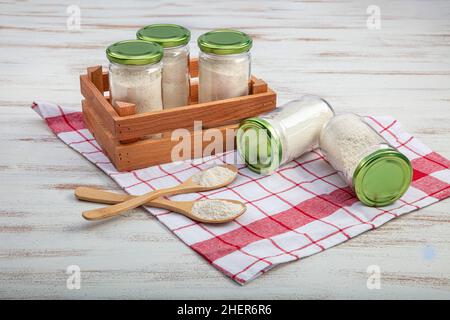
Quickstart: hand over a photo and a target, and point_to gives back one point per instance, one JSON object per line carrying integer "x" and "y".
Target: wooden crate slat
{"x": 95, "y": 74}
{"x": 212, "y": 114}
{"x": 193, "y": 93}
{"x": 193, "y": 67}
{"x": 258, "y": 86}
{"x": 105, "y": 81}
{"x": 104, "y": 138}
{"x": 99, "y": 103}
{"x": 125, "y": 109}
{"x": 150, "y": 152}
{"x": 255, "y": 85}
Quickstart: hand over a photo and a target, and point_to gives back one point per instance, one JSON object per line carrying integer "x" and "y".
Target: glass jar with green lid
{"x": 224, "y": 64}
{"x": 270, "y": 140}
{"x": 378, "y": 173}
{"x": 135, "y": 72}
{"x": 175, "y": 41}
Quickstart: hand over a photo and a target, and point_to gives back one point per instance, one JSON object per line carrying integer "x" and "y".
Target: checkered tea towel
{"x": 302, "y": 209}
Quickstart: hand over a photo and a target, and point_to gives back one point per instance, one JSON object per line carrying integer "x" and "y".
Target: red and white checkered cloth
{"x": 302, "y": 209}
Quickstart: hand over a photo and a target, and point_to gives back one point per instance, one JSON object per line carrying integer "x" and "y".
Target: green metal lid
{"x": 224, "y": 41}
{"x": 259, "y": 145}
{"x": 167, "y": 35}
{"x": 134, "y": 52}
{"x": 382, "y": 177}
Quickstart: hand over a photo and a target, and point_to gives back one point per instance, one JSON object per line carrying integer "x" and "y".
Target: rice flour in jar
{"x": 135, "y": 72}
{"x": 175, "y": 78}
{"x": 224, "y": 65}
{"x": 378, "y": 172}
{"x": 275, "y": 138}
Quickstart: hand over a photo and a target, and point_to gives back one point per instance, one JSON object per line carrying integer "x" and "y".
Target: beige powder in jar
{"x": 223, "y": 77}
{"x": 345, "y": 140}
{"x": 175, "y": 79}
{"x": 140, "y": 85}
{"x": 270, "y": 140}
{"x": 300, "y": 122}
{"x": 175, "y": 42}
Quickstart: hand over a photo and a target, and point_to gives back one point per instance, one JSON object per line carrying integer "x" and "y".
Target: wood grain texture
{"x": 124, "y": 109}
{"x": 95, "y": 74}
{"x": 97, "y": 102}
{"x": 318, "y": 47}
{"x": 147, "y": 152}
{"x": 211, "y": 114}
{"x": 97, "y": 128}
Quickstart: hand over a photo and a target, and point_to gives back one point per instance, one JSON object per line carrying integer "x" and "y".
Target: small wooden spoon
{"x": 183, "y": 207}
{"x": 185, "y": 187}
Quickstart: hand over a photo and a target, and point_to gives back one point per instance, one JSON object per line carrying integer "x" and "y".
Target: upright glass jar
{"x": 275, "y": 138}
{"x": 135, "y": 74}
{"x": 175, "y": 80}
{"x": 378, "y": 173}
{"x": 224, "y": 64}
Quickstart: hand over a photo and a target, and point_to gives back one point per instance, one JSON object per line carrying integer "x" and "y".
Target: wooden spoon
{"x": 185, "y": 187}
{"x": 183, "y": 207}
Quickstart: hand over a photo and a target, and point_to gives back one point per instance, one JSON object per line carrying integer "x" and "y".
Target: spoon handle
{"x": 101, "y": 196}
{"x": 107, "y": 197}
{"x": 128, "y": 204}
{"x": 135, "y": 202}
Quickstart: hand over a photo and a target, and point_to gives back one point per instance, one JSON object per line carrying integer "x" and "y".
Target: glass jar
{"x": 175, "y": 80}
{"x": 224, "y": 65}
{"x": 135, "y": 74}
{"x": 275, "y": 138}
{"x": 378, "y": 173}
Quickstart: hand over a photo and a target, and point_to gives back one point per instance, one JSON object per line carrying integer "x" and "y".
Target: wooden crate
{"x": 123, "y": 135}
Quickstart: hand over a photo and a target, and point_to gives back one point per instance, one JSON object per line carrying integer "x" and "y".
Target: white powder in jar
{"x": 213, "y": 176}
{"x": 300, "y": 121}
{"x": 269, "y": 141}
{"x": 175, "y": 79}
{"x": 140, "y": 85}
{"x": 223, "y": 77}
{"x": 345, "y": 140}
{"x": 298, "y": 124}
{"x": 215, "y": 209}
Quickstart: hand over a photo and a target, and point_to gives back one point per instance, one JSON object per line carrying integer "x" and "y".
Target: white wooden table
{"x": 319, "y": 47}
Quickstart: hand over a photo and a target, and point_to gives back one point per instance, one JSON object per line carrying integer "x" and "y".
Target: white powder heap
{"x": 213, "y": 176}
{"x": 223, "y": 77}
{"x": 216, "y": 209}
{"x": 175, "y": 79}
{"x": 345, "y": 140}
{"x": 140, "y": 85}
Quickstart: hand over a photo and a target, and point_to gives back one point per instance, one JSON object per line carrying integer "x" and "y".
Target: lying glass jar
{"x": 175, "y": 79}
{"x": 224, "y": 65}
{"x": 275, "y": 138}
{"x": 378, "y": 173}
{"x": 135, "y": 74}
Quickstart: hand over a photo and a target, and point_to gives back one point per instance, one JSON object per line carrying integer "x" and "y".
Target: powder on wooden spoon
{"x": 213, "y": 176}
{"x": 214, "y": 209}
